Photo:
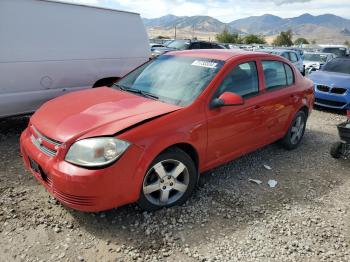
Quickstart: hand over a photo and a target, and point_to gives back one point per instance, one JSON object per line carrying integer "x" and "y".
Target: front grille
{"x": 338, "y": 90}
{"x": 323, "y": 88}
{"x": 329, "y": 103}
{"x": 42, "y": 148}
{"x": 332, "y": 90}
{"x": 51, "y": 141}
{"x": 43, "y": 143}
{"x": 74, "y": 200}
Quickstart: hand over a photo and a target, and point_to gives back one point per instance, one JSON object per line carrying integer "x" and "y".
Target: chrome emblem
{"x": 40, "y": 141}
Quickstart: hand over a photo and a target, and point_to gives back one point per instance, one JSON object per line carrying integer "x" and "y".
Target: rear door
{"x": 278, "y": 97}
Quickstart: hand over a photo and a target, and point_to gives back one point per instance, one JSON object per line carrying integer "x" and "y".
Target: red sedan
{"x": 147, "y": 138}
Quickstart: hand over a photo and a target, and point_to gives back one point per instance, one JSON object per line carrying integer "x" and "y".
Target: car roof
{"x": 218, "y": 54}
{"x": 281, "y": 50}
{"x": 317, "y": 53}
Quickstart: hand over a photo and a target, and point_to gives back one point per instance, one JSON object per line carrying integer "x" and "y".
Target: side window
{"x": 242, "y": 80}
{"x": 205, "y": 45}
{"x": 195, "y": 46}
{"x": 293, "y": 57}
{"x": 277, "y": 74}
{"x": 290, "y": 75}
{"x": 216, "y": 46}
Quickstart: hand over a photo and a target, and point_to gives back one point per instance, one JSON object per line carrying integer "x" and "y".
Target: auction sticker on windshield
{"x": 204, "y": 64}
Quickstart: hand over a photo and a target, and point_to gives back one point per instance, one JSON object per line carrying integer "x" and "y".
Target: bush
{"x": 284, "y": 39}
{"x": 254, "y": 39}
{"x": 301, "y": 41}
{"x": 229, "y": 38}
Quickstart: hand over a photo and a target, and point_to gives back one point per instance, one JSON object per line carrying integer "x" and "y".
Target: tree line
{"x": 285, "y": 38}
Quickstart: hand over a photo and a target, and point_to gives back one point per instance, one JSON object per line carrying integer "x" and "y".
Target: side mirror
{"x": 227, "y": 99}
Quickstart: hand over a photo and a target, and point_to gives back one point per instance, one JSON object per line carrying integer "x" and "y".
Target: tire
{"x": 295, "y": 132}
{"x": 337, "y": 150}
{"x": 169, "y": 181}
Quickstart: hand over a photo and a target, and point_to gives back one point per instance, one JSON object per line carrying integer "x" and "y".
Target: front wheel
{"x": 295, "y": 132}
{"x": 169, "y": 181}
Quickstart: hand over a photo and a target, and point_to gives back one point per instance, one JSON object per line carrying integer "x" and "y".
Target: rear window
{"x": 277, "y": 74}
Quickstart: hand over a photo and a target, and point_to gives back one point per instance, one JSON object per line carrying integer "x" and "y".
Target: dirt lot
{"x": 305, "y": 218}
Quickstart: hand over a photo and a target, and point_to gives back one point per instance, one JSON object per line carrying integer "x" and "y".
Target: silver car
{"x": 314, "y": 61}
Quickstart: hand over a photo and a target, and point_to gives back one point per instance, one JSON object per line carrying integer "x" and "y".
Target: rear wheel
{"x": 295, "y": 132}
{"x": 337, "y": 150}
{"x": 169, "y": 181}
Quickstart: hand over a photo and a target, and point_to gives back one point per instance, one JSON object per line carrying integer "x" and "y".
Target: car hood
{"x": 97, "y": 112}
{"x": 331, "y": 79}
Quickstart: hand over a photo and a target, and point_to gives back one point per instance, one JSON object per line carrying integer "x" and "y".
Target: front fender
{"x": 156, "y": 136}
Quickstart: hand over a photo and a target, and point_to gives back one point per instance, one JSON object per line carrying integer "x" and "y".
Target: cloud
{"x": 226, "y": 10}
{"x": 281, "y": 2}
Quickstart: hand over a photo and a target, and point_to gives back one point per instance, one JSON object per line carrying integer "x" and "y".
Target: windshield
{"x": 338, "y": 66}
{"x": 168, "y": 43}
{"x": 316, "y": 57}
{"x": 338, "y": 51}
{"x": 172, "y": 79}
{"x": 179, "y": 44}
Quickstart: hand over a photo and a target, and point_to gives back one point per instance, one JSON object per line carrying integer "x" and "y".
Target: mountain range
{"x": 327, "y": 27}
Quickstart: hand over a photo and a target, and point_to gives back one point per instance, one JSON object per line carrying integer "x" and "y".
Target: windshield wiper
{"x": 137, "y": 91}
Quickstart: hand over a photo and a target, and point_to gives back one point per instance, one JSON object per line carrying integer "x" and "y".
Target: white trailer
{"x": 49, "y": 48}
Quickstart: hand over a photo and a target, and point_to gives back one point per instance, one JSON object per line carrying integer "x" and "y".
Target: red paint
{"x": 217, "y": 134}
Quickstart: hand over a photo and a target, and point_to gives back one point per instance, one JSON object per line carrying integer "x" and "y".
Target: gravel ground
{"x": 305, "y": 218}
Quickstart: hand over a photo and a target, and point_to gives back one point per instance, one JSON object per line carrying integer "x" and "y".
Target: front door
{"x": 235, "y": 130}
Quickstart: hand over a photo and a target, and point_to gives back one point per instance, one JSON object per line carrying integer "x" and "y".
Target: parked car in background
{"x": 300, "y": 51}
{"x": 314, "y": 61}
{"x": 332, "y": 84}
{"x": 339, "y": 51}
{"x": 149, "y": 137}
{"x": 55, "y": 47}
{"x": 155, "y": 45}
{"x": 187, "y": 45}
{"x": 291, "y": 55}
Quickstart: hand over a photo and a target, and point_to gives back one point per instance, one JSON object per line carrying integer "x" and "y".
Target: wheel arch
{"x": 188, "y": 149}
{"x": 305, "y": 109}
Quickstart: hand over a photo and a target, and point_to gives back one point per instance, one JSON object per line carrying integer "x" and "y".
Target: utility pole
{"x": 175, "y": 32}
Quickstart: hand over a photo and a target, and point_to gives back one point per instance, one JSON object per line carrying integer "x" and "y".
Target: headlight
{"x": 94, "y": 152}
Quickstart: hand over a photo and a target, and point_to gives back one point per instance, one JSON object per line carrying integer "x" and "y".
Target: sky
{"x": 225, "y": 10}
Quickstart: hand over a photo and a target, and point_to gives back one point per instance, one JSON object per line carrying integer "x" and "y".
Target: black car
{"x": 186, "y": 45}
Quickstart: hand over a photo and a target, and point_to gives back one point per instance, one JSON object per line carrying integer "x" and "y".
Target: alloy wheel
{"x": 297, "y": 130}
{"x": 166, "y": 182}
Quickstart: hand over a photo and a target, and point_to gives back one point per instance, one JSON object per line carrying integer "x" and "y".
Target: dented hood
{"x": 100, "y": 111}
